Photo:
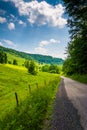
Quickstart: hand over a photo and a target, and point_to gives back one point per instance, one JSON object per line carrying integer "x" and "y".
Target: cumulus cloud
{"x": 41, "y": 13}
{"x": 2, "y": 20}
{"x": 9, "y": 42}
{"x": 41, "y": 47}
{"x": 40, "y": 50}
{"x": 21, "y": 23}
{"x": 51, "y": 41}
{"x": 11, "y": 26}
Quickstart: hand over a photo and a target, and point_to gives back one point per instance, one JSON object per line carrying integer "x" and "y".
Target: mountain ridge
{"x": 37, "y": 57}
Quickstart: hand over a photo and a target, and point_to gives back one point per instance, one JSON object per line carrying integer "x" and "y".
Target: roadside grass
{"x": 33, "y": 111}
{"x": 80, "y": 78}
{"x": 34, "y": 106}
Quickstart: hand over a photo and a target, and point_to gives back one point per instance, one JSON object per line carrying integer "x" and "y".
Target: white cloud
{"x": 41, "y": 13}
{"x": 40, "y": 50}
{"x": 44, "y": 43}
{"x": 41, "y": 47}
{"x": 51, "y": 41}
{"x": 9, "y": 42}
{"x": 1, "y": 44}
{"x": 2, "y": 20}
{"x": 21, "y": 23}
{"x": 11, "y": 26}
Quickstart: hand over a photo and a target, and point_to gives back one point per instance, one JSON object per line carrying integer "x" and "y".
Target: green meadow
{"x": 11, "y": 57}
{"x": 34, "y": 107}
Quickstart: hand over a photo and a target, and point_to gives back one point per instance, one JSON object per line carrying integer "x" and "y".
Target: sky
{"x": 34, "y": 26}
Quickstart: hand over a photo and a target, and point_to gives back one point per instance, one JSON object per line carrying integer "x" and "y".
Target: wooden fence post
{"x": 17, "y": 101}
{"x": 29, "y": 88}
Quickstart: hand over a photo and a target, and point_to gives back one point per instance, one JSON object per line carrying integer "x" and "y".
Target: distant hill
{"x": 37, "y": 57}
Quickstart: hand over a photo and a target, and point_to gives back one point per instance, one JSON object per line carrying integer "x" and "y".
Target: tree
{"x": 77, "y": 47}
{"x": 45, "y": 68}
{"x": 77, "y": 21}
{"x": 32, "y": 69}
{"x": 26, "y": 63}
{"x": 3, "y": 57}
{"x": 54, "y": 69}
{"x": 15, "y": 62}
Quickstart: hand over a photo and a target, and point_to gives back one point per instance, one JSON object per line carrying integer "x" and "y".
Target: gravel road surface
{"x": 70, "y": 109}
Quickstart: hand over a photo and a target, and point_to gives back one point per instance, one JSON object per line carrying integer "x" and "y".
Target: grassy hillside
{"x": 37, "y": 57}
{"x": 16, "y": 79}
{"x": 11, "y": 57}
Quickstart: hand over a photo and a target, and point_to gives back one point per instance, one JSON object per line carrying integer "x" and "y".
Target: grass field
{"x": 11, "y": 57}
{"x": 17, "y": 79}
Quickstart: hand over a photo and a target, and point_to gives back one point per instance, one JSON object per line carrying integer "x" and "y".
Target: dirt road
{"x": 70, "y": 109}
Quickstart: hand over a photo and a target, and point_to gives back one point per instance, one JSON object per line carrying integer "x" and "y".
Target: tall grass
{"x": 33, "y": 108}
{"x": 31, "y": 113}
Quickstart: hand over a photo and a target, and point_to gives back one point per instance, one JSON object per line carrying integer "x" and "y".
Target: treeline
{"x": 33, "y": 68}
{"x": 76, "y": 61}
{"x": 51, "y": 68}
{"x": 37, "y": 57}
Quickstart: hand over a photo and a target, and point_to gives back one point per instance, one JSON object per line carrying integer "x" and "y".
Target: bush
{"x": 32, "y": 69}
{"x": 26, "y": 63}
{"x": 15, "y": 62}
{"x": 45, "y": 68}
{"x": 54, "y": 69}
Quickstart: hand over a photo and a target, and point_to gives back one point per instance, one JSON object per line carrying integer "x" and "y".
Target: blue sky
{"x": 34, "y": 26}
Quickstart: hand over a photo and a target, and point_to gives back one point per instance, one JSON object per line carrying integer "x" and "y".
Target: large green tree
{"x": 77, "y": 47}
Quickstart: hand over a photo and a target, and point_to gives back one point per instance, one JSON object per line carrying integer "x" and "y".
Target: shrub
{"x": 32, "y": 69}
{"x": 15, "y": 62}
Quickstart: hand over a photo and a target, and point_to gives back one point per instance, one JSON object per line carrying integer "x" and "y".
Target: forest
{"x": 76, "y": 62}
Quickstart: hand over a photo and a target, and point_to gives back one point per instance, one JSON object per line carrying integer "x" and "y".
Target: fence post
{"x": 29, "y": 88}
{"x": 17, "y": 101}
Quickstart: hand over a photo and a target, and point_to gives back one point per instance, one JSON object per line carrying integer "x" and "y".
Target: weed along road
{"x": 70, "y": 109}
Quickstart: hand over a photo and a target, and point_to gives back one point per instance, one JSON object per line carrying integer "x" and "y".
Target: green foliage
{"x": 51, "y": 69}
{"x": 15, "y": 62}
{"x": 45, "y": 68}
{"x": 80, "y": 78}
{"x": 26, "y": 63}
{"x": 32, "y": 69}
{"x": 3, "y": 57}
{"x": 77, "y": 20}
{"x": 54, "y": 69}
{"x": 9, "y": 62}
{"x": 77, "y": 47}
{"x": 68, "y": 67}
